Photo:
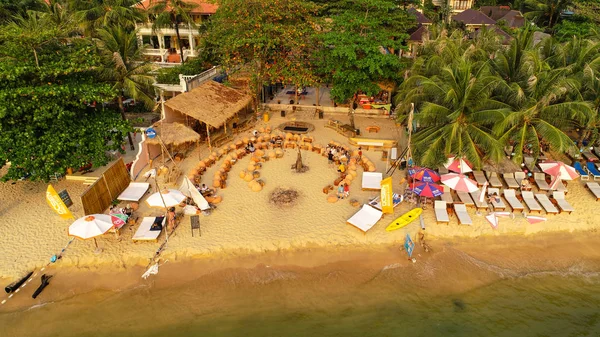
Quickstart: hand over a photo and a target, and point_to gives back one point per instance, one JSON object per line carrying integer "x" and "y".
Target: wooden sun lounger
{"x": 480, "y": 177}
{"x": 465, "y": 198}
{"x": 540, "y": 181}
{"x": 562, "y": 203}
{"x": 475, "y": 195}
{"x": 441, "y": 212}
{"x": 447, "y": 196}
{"x": 494, "y": 180}
{"x": 497, "y": 205}
{"x": 594, "y": 188}
{"x": 533, "y": 205}
{"x": 513, "y": 201}
{"x": 589, "y": 156}
{"x": 509, "y": 178}
{"x": 530, "y": 164}
{"x": 143, "y": 233}
{"x": 463, "y": 216}
{"x": 546, "y": 203}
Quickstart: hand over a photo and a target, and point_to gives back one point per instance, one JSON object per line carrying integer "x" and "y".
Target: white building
{"x": 164, "y": 47}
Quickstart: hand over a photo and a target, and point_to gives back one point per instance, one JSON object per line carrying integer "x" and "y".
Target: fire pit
{"x": 284, "y": 197}
{"x": 296, "y": 127}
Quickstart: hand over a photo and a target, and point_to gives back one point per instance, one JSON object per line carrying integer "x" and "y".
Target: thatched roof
{"x": 173, "y": 134}
{"x": 211, "y": 103}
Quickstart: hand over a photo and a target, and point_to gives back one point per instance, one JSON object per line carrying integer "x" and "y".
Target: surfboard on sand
{"x": 404, "y": 219}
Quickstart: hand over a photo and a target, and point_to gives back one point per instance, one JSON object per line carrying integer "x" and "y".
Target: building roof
{"x": 173, "y": 134}
{"x": 514, "y": 19}
{"x": 473, "y": 17}
{"x": 418, "y": 34}
{"x": 202, "y": 6}
{"x": 421, "y": 18}
{"x": 211, "y": 103}
{"x": 495, "y": 12}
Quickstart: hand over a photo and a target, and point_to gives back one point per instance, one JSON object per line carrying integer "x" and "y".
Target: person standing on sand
{"x": 330, "y": 157}
{"x": 359, "y": 155}
{"x": 346, "y": 190}
{"x": 340, "y": 192}
{"x": 171, "y": 219}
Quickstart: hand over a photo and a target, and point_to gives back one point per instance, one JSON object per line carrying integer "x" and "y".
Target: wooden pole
{"x": 318, "y": 91}
{"x": 208, "y": 135}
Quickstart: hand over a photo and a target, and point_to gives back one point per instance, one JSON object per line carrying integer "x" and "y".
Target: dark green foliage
{"x": 48, "y": 90}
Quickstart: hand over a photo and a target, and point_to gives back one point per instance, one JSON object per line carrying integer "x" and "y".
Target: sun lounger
{"x": 396, "y": 199}
{"x": 594, "y": 188}
{"x": 465, "y": 198}
{"x": 589, "y": 156}
{"x": 143, "y": 233}
{"x": 546, "y": 203}
{"x": 563, "y": 205}
{"x": 530, "y": 164}
{"x": 366, "y": 218}
{"x": 493, "y": 179}
{"x": 480, "y": 177}
{"x": 134, "y": 192}
{"x": 447, "y": 197}
{"x": 441, "y": 212}
{"x": 560, "y": 186}
{"x": 582, "y": 173}
{"x": 463, "y": 216}
{"x": 530, "y": 202}
{"x": 540, "y": 181}
{"x": 511, "y": 197}
{"x": 509, "y": 178}
{"x": 593, "y": 170}
{"x": 498, "y": 205}
{"x": 371, "y": 180}
{"x": 476, "y": 195}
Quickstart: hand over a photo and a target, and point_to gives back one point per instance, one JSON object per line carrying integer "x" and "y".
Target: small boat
{"x": 405, "y": 219}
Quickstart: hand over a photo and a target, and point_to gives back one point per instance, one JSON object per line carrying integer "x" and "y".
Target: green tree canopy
{"x": 271, "y": 39}
{"x": 171, "y": 14}
{"x": 360, "y": 41}
{"x": 51, "y": 116}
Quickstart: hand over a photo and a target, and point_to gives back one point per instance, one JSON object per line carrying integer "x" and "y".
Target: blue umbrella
{"x": 426, "y": 189}
{"x": 424, "y": 174}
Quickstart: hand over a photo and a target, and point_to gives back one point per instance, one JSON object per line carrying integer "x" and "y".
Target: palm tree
{"x": 123, "y": 66}
{"x": 546, "y": 12}
{"x": 94, "y": 14}
{"x": 456, "y": 112}
{"x": 170, "y": 14}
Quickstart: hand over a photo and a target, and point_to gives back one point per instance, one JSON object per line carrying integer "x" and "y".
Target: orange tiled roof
{"x": 202, "y": 6}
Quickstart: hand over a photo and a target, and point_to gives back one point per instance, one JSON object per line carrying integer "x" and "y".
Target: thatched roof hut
{"x": 211, "y": 103}
{"x": 173, "y": 134}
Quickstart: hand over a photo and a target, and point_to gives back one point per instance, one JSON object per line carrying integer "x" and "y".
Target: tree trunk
{"x": 351, "y": 112}
{"x": 179, "y": 41}
{"x": 122, "y": 110}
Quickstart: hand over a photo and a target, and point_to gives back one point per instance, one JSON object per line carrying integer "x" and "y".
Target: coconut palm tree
{"x": 95, "y": 14}
{"x": 456, "y": 112}
{"x": 546, "y": 12}
{"x": 123, "y": 66}
{"x": 171, "y": 14}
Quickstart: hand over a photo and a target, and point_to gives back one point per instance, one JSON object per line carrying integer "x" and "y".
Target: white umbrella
{"x": 459, "y": 182}
{"x": 171, "y": 198}
{"x": 559, "y": 170}
{"x": 90, "y": 226}
{"x": 459, "y": 165}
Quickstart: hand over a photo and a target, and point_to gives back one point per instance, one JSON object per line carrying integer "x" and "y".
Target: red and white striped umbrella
{"x": 459, "y": 182}
{"x": 459, "y": 165}
{"x": 560, "y": 170}
{"x": 535, "y": 219}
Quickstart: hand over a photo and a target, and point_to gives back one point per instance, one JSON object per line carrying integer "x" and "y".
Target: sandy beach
{"x": 245, "y": 222}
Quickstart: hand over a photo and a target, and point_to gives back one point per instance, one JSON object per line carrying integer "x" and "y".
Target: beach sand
{"x": 245, "y": 222}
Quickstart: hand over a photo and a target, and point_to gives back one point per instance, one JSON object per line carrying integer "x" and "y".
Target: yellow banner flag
{"x": 57, "y": 204}
{"x": 387, "y": 196}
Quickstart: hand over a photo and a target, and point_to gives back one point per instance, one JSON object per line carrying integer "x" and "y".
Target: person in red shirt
{"x": 346, "y": 190}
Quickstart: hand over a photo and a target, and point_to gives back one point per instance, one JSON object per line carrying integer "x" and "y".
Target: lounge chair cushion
{"x": 366, "y": 218}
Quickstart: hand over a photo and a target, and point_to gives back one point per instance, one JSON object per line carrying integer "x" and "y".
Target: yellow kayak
{"x": 405, "y": 219}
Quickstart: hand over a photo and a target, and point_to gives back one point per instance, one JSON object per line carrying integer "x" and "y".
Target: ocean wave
{"x": 36, "y": 306}
{"x": 391, "y": 266}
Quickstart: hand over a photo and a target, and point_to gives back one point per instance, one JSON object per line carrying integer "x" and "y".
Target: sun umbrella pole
{"x": 410, "y": 129}
{"x": 164, "y": 204}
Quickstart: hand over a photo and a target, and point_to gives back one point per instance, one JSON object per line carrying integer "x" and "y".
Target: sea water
{"x": 286, "y": 301}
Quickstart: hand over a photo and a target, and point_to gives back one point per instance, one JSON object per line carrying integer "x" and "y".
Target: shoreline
{"x": 450, "y": 260}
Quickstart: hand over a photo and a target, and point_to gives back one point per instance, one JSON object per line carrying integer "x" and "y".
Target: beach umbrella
{"x": 482, "y": 194}
{"x": 492, "y": 218}
{"x": 559, "y": 170}
{"x": 90, "y": 226}
{"x": 535, "y": 219}
{"x": 459, "y": 165}
{"x": 424, "y": 174}
{"x": 171, "y": 198}
{"x": 459, "y": 182}
{"x": 426, "y": 189}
